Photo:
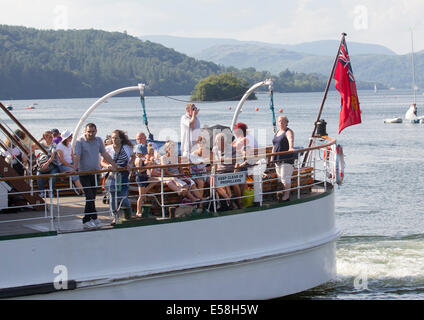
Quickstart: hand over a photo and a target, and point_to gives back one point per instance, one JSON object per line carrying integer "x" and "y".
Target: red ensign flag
{"x": 350, "y": 113}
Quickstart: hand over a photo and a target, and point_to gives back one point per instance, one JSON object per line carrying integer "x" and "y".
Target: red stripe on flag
{"x": 350, "y": 112}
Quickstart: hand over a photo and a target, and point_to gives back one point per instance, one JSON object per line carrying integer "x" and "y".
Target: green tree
{"x": 221, "y": 87}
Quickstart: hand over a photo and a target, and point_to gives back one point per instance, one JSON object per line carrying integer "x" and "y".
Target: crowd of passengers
{"x": 117, "y": 152}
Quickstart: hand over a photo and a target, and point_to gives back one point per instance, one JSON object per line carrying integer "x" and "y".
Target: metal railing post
{"x": 116, "y": 196}
{"x": 325, "y": 173}
{"x": 51, "y": 202}
{"x": 58, "y": 208}
{"x": 162, "y": 198}
{"x": 214, "y": 187}
{"x": 298, "y": 175}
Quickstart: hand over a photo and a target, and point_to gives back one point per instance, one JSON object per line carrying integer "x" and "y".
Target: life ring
{"x": 340, "y": 164}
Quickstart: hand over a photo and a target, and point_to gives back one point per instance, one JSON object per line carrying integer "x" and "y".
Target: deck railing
{"x": 320, "y": 160}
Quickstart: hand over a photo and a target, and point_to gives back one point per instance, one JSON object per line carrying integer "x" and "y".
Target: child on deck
{"x": 142, "y": 179}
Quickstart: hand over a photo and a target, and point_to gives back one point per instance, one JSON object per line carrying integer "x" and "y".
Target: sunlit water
{"x": 379, "y": 207}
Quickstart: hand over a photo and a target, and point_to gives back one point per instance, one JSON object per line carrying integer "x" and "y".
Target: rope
{"x": 271, "y": 106}
{"x": 145, "y": 117}
{"x": 203, "y": 102}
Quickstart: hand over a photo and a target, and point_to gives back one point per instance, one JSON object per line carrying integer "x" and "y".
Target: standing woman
{"x": 121, "y": 151}
{"x": 283, "y": 141}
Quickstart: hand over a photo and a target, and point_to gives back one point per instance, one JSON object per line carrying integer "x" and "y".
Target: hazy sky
{"x": 385, "y": 22}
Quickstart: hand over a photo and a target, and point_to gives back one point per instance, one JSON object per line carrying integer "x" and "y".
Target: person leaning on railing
{"x": 87, "y": 153}
{"x": 121, "y": 151}
{"x": 283, "y": 141}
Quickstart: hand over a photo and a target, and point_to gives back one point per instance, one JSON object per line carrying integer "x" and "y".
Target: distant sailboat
{"x": 411, "y": 114}
{"x": 375, "y": 88}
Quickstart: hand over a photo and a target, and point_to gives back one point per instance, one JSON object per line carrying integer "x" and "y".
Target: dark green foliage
{"x": 221, "y": 87}
{"x": 89, "y": 63}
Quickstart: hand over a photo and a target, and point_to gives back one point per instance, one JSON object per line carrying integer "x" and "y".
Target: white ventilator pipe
{"x": 93, "y": 107}
{"x": 267, "y": 82}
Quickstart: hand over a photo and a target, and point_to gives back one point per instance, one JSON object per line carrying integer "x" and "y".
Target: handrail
{"x": 27, "y": 133}
{"x": 332, "y": 141}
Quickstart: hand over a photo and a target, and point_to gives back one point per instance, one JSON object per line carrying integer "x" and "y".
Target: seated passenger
{"x": 223, "y": 153}
{"x": 14, "y": 155}
{"x": 152, "y": 160}
{"x": 141, "y": 140}
{"x": 47, "y": 164}
{"x": 198, "y": 169}
{"x": 174, "y": 181}
{"x": 65, "y": 156}
{"x": 242, "y": 138}
{"x": 144, "y": 183}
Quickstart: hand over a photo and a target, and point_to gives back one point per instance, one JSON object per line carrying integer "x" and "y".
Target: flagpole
{"x": 325, "y": 97}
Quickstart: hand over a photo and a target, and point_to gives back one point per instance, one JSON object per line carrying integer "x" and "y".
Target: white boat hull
{"x": 261, "y": 254}
{"x": 393, "y": 120}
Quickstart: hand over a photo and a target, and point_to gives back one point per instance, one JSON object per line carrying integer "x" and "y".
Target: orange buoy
{"x": 229, "y": 108}
{"x": 281, "y": 110}
{"x": 257, "y": 109}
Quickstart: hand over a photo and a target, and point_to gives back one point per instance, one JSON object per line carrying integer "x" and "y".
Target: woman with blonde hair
{"x": 283, "y": 141}
{"x": 174, "y": 181}
{"x": 223, "y": 153}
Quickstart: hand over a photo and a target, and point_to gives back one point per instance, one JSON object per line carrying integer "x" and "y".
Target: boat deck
{"x": 69, "y": 213}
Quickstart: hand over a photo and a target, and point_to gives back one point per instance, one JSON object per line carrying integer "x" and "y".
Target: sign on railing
{"x": 229, "y": 179}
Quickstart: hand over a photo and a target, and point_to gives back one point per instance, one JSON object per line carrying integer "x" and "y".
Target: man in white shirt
{"x": 190, "y": 129}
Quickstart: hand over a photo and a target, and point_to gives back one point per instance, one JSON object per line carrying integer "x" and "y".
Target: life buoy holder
{"x": 339, "y": 165}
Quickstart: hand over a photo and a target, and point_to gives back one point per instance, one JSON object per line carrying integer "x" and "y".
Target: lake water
{"x": 379, "y": 207}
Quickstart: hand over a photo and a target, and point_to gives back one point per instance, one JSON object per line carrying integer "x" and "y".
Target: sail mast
{"x": 413, "y": 66}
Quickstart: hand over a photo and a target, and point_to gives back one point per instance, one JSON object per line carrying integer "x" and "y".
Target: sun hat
{"x": 66, "y": 134}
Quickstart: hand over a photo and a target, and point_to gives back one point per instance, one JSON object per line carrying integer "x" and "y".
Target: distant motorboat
{"x": 30, "y": 107}
{"x": 393, "y": 120}
{"x": 9, "y": 107}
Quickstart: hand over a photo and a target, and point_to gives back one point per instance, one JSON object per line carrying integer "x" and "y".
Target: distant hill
{"x": 371, "y": 63}
{"x": 195, "y": 46}
{"x": 89, "y": 63}
{"x": 390, "y": 70}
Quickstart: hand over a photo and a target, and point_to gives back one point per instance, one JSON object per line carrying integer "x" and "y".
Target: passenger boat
{"x": 177, "y": 250}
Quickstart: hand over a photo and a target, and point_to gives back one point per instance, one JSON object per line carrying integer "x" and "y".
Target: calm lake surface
{"x": 379, "y": 207}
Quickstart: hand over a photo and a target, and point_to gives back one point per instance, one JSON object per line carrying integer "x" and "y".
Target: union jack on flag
{"x": 350, "y": 113}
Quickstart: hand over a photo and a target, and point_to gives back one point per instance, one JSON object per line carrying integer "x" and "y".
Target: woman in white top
{"x": 65, "y": 156}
